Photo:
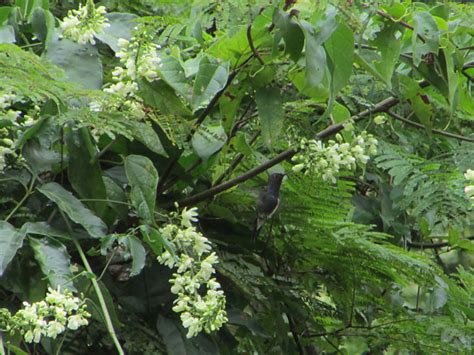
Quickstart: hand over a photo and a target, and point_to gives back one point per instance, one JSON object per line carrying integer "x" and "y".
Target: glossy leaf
{"x": 143, "y": 179}
{"x": 10, "y": 241}
{"x": 138, "y": 255}
{"x": 81, "y": 63}
{"x": 173, "y": 74}
{"x": 210, "y": 79}
{"x": 83, "y": 169}
{"x": 54, "y": 260}
{"x": 208, "y": 140}
{"x": 271, "y": 114}
{"x": 74, "y": 209}
{"x": 121, "y": 26}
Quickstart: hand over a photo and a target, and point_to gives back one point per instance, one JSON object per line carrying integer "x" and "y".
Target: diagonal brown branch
{"x": 437, "y": 131}
{"x": 287, "y": 154}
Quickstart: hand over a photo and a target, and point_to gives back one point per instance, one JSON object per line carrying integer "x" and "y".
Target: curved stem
{"x": 98, "y": 291}
{"x": 22, "y": 201}
{"x": 100, "y": 296}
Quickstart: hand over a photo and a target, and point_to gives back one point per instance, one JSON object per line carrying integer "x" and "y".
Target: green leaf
{"x": 54, "y": 261}
{"x": 7, "y": 34}
{"x": 155, "y": 240}
{"x": 121, "y": 26}
{"x": 208, "y": 140}
{"x": 84, "y": 171}
{"x": 43, "y": 228}
{"x": 210, "y": 79}
{"x": 161, "y": 96}
{"x": 81, "y": 63}
{"x": 315, "y": 56}
{"x": 10, "y": 241}
{"x": 143, "y": 179}
{"x": 116, "y": 193}
{"x": 173, "y": 74}
{"x": 291, "y": 32}
{"x": 340, "y": 50}
{"x": 4, "y": 13}
{"x": 389, "y": 46}
{"x": 75, "y": 210}
{"x": 42, "y": 22}
{"x": 424, "y": 25}
{"x": 270, "y": 111}
{"x": 138, "y": 254}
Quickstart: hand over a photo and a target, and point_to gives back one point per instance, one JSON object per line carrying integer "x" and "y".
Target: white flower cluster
{"x": 139, "y": 59}
{"x": 328, "y": 160}
{"x": 50, "y": 317}
{"x": 12, "y": 120}
{"x": 83, "y": 24}
{"x": 469, "y": 189}
{"x": 200, "y": 301}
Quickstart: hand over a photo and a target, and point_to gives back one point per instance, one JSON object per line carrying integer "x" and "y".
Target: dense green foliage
{"x": 107, "y": 135}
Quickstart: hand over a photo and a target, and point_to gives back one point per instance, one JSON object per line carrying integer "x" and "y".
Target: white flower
{"x": 379, "y": 119}
{"x": 76, "y": 321}
{"x": 54, "y": 328}
{"x": 469, "y": 174}
{"x": 189, "y": 216}
{"x": 193, "y": 274}
{"x": 83, "y": 24}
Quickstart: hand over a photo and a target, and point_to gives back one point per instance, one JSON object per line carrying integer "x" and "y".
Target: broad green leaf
{"x": 7, "y": 34}
{"x": 4, "y": 13}
{"x": 84, "y": 172}
{"x": 315, "y": 56}
{"x": 143, "y": 179}
{"x": 161, "y": 96}
{"x": 116, "y": 194}
{"x": 42, "y": 22}
{"x": 208, "y": 140}
{"x": 210, "y": 79}
{"x": 43, "y": 228}
{"x": 270, "y": 111}
{"x": 452, "y": 76}
{"x": 121, "y": 26}
{"x": 54, "y": 261}
{"x": 173, "y": 74}
{"x": 81, "y": 63}
{"x": 10, "y": 241}
{"x": 75, "y": 210}
{"x": 389, "y": 46}
{"x": 291, "y": 32}
{"x": 340, "y": 49}
{"x": 145, "y": 134}
{"x": 426, "y": 26}
{"x": 138, "y": 254}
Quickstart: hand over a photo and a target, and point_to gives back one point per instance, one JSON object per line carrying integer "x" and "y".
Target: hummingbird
{"x": 268, "y": 202}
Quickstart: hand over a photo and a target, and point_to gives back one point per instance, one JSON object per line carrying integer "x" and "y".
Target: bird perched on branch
{"x": 268, "y": 202}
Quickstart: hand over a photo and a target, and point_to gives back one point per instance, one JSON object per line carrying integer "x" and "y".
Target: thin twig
{"x": 199, "y": 120}
{"x": 98, "y": 291}
{"x": 252, "y": 47}
{"x": 288, "y": 154}
{"x": 238, "y": 158}
{"x": 420, "y": 245}
{"x": 401, "y": 22}
{"x": 437, "y": 131}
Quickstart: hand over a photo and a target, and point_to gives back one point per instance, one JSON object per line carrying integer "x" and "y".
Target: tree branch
{"x": 402, "y": 23}
{"x": 421, "y": 245}
{"x": 382, "y": 106}
{"x": 437, "y": 131}
{"x": 252, "y": 47}
{"x": 200, "y": 119}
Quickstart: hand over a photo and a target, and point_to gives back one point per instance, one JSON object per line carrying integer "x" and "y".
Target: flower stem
{"x": 98, "y": 291}
{"x": 100, "y": 296}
